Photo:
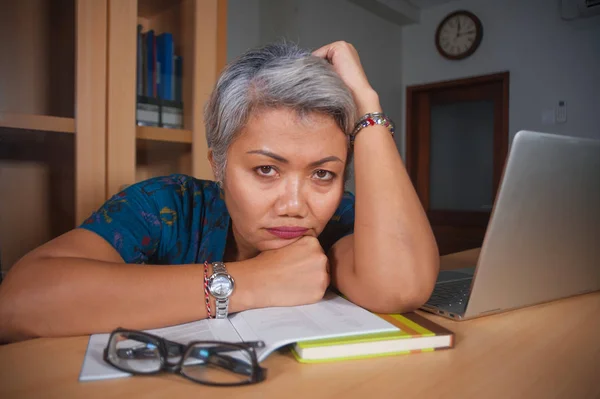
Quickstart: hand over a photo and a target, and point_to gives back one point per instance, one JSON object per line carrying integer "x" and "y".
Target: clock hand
{"x": 467, "y": 33}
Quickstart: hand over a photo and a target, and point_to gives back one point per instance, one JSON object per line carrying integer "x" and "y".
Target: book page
{"x": 333, "y": 316}
{"x": 95, "y": 368}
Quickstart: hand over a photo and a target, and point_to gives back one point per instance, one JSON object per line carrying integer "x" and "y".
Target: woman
{"x": 278, "y": 127}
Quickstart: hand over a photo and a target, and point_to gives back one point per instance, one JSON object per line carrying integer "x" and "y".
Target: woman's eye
{"x": 265, "y": 171}
{"x": 324, "y": 175}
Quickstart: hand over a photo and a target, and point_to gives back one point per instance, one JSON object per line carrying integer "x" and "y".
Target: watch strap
{"x": 221, "y": 304}
{"x": 221, "y": 308}
{"x": 219, "y": 267}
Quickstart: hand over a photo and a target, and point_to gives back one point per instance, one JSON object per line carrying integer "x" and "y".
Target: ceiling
{"x": 428, "y": 3}
{"x": 399, "y": 12}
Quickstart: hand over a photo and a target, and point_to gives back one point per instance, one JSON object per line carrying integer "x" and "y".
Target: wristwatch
{"x": 220, "y": 286}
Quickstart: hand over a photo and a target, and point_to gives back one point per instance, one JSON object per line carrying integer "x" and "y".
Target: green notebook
{"x": 417, "y": 334}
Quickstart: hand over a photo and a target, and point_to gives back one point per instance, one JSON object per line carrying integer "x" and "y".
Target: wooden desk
{"x": 546, "y": 351}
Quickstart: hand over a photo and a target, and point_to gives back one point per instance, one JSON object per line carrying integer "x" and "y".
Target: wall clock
{"x": 458, "y": 35}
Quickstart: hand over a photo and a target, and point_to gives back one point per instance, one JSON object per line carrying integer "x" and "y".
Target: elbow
{"x": 407, "y": 292}
{"x": 14, "y": 298}
{"x": 9, "y": 331}
{"x": 399, "y": 301}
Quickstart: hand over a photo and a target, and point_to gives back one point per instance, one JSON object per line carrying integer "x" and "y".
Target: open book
{"x": 332, "y": 317}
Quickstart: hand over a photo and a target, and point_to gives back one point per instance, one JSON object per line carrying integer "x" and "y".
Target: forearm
{"x": 73, "y": 296}
{"x": 395, "y": 253}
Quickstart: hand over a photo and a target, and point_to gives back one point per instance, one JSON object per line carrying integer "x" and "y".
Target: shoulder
{"x": 176, "y": 183}
{"x": 345, "y": 210}
{"x": 341, "y": 223}
{"x": 164, "y": 196}
{"x": 176, "y": 188}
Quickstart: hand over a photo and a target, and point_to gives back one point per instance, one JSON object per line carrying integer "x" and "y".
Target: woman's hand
{"x": 346, "y": 62}
{"x": 296, "y": 274}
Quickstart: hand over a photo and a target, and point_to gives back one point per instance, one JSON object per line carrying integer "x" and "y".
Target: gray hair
{"x": 274, "y": 76}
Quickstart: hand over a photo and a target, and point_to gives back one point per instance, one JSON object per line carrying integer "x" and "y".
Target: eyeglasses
{"x": 206, "y": 362}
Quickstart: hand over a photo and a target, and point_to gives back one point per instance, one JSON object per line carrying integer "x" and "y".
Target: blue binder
{"x": 150, "y": 64}
{"x": 165, "y": 53}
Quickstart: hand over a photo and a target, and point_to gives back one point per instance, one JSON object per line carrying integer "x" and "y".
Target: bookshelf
{"x": 37, "y": 122}
{"x": 163, "y": 134}
{"x": 129, "y": 157}
{"x": 51, "y": 160}
{"x": 68, "y": 134}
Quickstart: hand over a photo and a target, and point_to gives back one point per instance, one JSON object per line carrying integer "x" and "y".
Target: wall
{"x": 314, "y": 23}
{"x": 549, "y": 60}
{"x": 243, "y": 26}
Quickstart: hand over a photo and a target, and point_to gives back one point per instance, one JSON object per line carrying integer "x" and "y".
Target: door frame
{"x": 418, "y": 158}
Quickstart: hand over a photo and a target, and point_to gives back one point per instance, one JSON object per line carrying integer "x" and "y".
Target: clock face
{"x": 458, "y": 35}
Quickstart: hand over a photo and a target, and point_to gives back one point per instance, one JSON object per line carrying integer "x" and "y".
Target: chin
{"x": 270, "y": 245}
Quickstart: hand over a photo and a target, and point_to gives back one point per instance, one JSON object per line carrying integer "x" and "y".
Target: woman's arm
{"x": 78, "y": 284}
{"x": 391, "y": 261}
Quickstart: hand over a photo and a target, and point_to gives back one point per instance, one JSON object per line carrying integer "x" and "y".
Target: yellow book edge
{"x": 357, "y": 357}
{"x": 396, "y": 319}
{"x": 357, "y": 339}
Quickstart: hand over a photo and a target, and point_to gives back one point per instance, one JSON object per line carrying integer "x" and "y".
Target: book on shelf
{"x": 177, "y": 78}
{"x": 415, "y": 334}
{"x": 150, "y": 51}
{"x": 152, "y": 111}
{"x": 159, "y": 80}
{"x": 139, "y": 71}
{"x": 165, "y": 59}
{"x": 332, "y": 317}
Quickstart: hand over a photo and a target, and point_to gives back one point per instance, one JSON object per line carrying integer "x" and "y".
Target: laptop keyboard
{"x": 450, "y": 294}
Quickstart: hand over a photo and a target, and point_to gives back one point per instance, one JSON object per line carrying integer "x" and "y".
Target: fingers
{"x": 321, "y": 52}
{"x": 328, "y": 51}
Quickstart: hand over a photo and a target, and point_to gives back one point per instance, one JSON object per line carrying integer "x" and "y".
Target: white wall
{"x": 314, "y": 23}
{"x": 243, "y": 26}
{"x": 548, "y": 59}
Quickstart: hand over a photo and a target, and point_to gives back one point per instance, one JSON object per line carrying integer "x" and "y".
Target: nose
{"x": 292, "y": 198}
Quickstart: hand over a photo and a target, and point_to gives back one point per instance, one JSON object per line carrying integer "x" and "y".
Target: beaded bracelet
{"x": 206, "y": 294}
{"x": 370, "y": 119}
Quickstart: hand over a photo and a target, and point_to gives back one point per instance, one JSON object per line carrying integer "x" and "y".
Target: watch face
{"x": 221, "y": 286}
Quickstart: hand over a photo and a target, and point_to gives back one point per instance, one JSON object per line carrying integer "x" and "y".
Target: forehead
{"x": 283, "y": 129}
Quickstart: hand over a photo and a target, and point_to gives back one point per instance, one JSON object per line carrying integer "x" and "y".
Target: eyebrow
{"x": 281, "y": 159}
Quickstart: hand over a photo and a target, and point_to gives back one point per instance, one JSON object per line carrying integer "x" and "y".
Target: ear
{"x": 211, "y": 160}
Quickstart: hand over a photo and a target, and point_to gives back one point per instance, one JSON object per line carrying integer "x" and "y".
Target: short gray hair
{"x": 277, "y": 75}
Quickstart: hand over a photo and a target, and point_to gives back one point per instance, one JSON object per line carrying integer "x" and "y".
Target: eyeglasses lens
{"x": 217, "y": 364}
{"x": 134, "y": 352}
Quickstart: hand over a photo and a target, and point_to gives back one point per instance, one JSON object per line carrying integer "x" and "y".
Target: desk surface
{"x": 546, "y": 351}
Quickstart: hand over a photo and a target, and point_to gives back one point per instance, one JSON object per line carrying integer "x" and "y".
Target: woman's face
{"x": 284, "y": 179}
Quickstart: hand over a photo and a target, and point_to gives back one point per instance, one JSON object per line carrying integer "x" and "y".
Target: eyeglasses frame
{"x": 259, "y": 373}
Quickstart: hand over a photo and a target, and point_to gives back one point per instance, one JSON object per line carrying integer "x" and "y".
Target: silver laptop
{"x": 543, "y": 239}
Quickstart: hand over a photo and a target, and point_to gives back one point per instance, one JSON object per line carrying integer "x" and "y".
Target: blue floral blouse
{"x": 179, "y": 219}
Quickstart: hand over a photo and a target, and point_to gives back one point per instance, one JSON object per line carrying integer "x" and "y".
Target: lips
{"x": 287, "y": 232}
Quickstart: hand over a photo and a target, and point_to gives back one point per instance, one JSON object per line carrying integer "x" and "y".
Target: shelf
{"x": 38, "y": 122}
{"x": 163, "y": 134}
{"x": 149, "y": 8}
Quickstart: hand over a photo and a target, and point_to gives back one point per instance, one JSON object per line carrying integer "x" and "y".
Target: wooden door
{"x": 456, "y": 145}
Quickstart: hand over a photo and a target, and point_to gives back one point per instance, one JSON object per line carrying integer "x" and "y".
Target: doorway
{"x": 456, "y": 146}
